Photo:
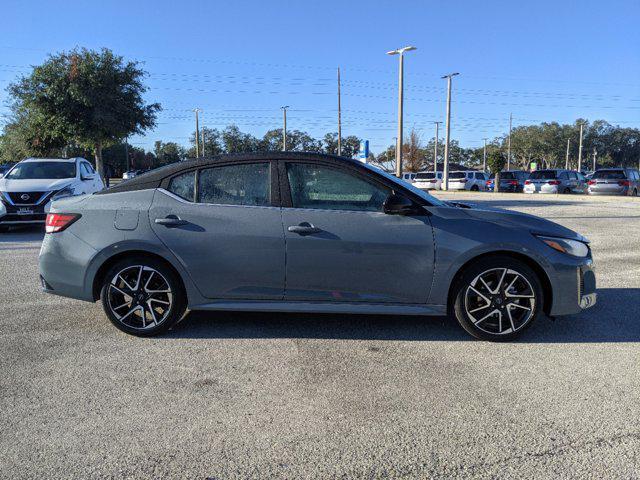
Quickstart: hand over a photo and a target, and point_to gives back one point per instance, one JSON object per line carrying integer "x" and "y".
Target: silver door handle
{"x": 304, "y": 228}
{"x": 171, "y": 221}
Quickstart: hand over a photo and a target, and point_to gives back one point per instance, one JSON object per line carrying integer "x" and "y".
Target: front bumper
{"x": 574, "y": 286}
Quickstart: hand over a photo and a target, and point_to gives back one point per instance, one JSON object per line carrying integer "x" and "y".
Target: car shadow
{"x": 610, "y": 320}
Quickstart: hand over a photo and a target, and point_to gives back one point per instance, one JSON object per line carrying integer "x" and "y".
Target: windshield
{"x": 407, "y": 186}
{"x": 425, "y": 176}
{"x": 42, "y": 170}
{"x": 457, "y": 175}
{"x": 507, "y": 176}
{"x": 609, "y": 175}
{"x": 543, "y": 175}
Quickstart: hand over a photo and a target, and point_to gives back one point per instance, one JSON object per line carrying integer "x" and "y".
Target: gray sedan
{"x": 307, "y": 233}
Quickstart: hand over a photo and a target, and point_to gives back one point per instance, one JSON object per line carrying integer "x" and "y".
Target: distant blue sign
{"x": 363, "y": 154}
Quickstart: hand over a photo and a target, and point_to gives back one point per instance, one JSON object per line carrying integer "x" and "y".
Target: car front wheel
{"x": 142, "y": 296}
{"x": 497, "y": 298}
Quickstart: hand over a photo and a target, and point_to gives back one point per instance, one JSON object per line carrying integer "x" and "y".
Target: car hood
{"x": 33, "y": 185}
{"x": 518, "y": 220}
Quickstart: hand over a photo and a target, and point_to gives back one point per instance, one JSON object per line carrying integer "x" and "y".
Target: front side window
{"x": 324, "y": 188}
{"x": 246, "y": 184}
{"x": 42, "y": 171}
{"x": 183, "y": 185}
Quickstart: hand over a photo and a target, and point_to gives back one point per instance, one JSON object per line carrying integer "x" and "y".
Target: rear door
{"x": 341, "y": 247}
{"x": 221, "y": 223}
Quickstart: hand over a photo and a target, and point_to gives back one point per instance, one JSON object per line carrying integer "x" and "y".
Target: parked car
{"x": 555, "y": 181}
{"x": 615, "y": 181}
{"x": 224, "y": 234}
{"x": 4, "y": 168}
{"x": 131, "y": 173}
{"x": 468, "y": 180}
{"x": 409, "y": 176}
{"x": 428, "y": 180}
{"x": 510, "y": 181}
{"x": 29, "y": 187}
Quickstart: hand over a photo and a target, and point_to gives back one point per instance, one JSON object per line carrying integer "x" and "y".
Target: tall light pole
{"x": 445, "y": 169}
{"x": 595, "y": 152}
{"x": 566, "y": 158}
{"x": 202, "y": 136}
{"x": 284, "y": 128}
{"x": 197, "y": 110}
{"x": 484, "y": 156}
{"x": 400, "y": 52}
{"x": 339, "y": 118}
{"x": 509, "y": 144}
{"x": 435, "y": 151}
{"x": 580, "y": 149}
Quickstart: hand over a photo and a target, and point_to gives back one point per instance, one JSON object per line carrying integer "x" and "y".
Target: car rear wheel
{"x": 142, "y": 296}
{"x": 475, "y": 188}
{"x": 497, "y": 298}
{"x": 566, "y": 190}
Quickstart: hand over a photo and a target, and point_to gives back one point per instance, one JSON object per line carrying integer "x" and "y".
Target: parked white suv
{"x": 428, "y": 180}
{"x": 26, "y": 191}
{"x": 468, "y": 180}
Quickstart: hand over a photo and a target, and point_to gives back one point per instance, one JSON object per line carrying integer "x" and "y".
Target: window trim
{"x": 287, "y": 201}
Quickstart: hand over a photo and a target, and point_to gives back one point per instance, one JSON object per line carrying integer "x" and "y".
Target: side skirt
{"x": 323, "y": 307}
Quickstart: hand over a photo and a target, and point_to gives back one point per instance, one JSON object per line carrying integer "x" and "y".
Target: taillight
{"x": 554, "y": 182}
{"x": 513, "y": 182}
{"x": 591, "y": 182}
{"x": 624, "y": 183}
{"x": 56, "y": 222}
{"x": 489, "y": 182}
{"x": 527, "y": 182}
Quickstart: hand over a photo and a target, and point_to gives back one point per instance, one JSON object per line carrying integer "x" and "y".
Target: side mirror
{"x": 396, "y": 204}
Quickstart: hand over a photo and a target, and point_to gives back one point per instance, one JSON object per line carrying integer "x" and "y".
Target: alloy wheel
{"x": 500, "y": 301}
{"x": 139, "y": 297}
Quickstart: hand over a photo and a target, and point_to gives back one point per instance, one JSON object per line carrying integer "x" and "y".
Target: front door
{"x": 341, "y": 247}
{"x": 225, "y": 232}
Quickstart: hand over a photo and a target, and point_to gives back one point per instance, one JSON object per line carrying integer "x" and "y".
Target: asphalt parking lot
{"x": 323, "y": 396}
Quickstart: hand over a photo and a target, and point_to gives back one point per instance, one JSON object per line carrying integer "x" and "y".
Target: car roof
{"x": 153, "y": 178}
{"x": 68, "y": 160}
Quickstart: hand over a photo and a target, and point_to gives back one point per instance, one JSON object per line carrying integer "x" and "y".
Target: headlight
{"x": 65, "y": 192}
{"x": 564, "y": 245}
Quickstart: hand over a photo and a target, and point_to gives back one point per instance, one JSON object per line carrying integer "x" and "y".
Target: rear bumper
{"x": 622, "y": 192}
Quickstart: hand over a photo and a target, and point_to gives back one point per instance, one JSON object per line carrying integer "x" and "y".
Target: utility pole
{"x": 509, "y": 145}
{"x": 566, "y": 159}
{"x": 339, "y": 118}
{"x": 595, "y": 153}
{"x": 484, "y": 156}
{"x": 203, "y": 150}
{"x": 197, "y": 133}
{"x": 435, "y": 151}
{"x": 445, "y": 169}
{"x": 126, "y": 153}
{"x": 400, "y": 52}
{"x": 284, "y": 128}
{"x": 580, "y": 149}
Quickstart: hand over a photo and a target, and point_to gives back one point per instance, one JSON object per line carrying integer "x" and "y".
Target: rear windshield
{"x": 543, "y": 175}
{"x": 457, "y": 175}
{"x": 609, "y": 175}
{"x": 507, "y": 175}
{"x": 42, "y": 170}
{"x": 425, "y": 176}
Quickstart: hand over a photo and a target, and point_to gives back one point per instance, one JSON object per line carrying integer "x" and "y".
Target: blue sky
{"x": 240, "y": 61}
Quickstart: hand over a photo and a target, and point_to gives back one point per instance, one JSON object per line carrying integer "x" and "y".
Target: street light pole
{"x": 484, "y": 156}
{"x": 509, "y": 145}
{"x": 566, "y": 159}
{"x": 435, "y": 151}
{"x": 197, "y": 133}
{"x": 284, "y": 128}
{"x": 339, "y": 118}
{"x": 400, "y": 52}
{"x": 445, "y": 169}
{"x": 580, "y": 149}
{"x": 595, "y": 152}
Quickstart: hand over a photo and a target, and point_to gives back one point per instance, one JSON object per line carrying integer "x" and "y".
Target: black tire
{"x": 635, "y": 192}
{"x": 488, "y": 329}
{"x": 135, "y": 324}
{"x": 475, "y": 188}
{"x": 566, "y": 191}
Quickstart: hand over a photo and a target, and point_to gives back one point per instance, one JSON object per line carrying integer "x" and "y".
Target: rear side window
{"x": 246, "y": 184}
{"x": 325, "y": 188}
{"x": 184, "y": 185}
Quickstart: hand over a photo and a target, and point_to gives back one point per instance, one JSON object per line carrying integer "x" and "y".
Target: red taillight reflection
{"x": 527, "y": 182}
{"x": 56, "y": 222}
{"x": 591, "y": 182}
{"x": 554, "y": 182}
{"x": 513, "y": 182}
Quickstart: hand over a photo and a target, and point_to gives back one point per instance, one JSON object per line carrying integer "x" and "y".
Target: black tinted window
{"x": 183, "y": 185}
{"x": 244, "y": 184}
{"x": 43, "y": 170}
{"x": 507, "y": 175}
{"x": 609, "y": 175}
{"x": 325, "y": 188}
{"x": 457, "y": 175}
{"x": 543, "y": 175}
{"x": 425, "y": 176}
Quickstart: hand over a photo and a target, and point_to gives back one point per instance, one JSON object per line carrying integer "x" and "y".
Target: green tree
{"x": 169, "y": 152}
{"x": 496, "y": 161}
{"x": 91, "y": 98}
